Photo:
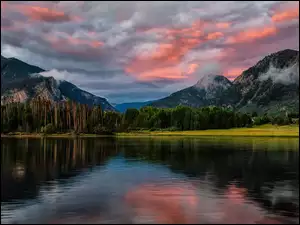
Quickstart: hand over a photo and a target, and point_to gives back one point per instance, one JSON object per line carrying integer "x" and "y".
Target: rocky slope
{"x": 21, "y": 82}
{"x": 76, "y": 94}
{"x": 209, "y": 90}
{"x": 271, "y": 86}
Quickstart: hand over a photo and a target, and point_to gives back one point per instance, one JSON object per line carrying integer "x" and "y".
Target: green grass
{"x": 258, "y": 131}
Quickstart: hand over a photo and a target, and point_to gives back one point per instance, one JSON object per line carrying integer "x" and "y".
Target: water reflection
{"x": 153, "y": 180}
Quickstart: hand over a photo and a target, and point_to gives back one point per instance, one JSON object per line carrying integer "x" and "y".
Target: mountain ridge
{"x": 21, "y": 82}
{"x": 209, "y": 90}
{"x": 274, "y": 80}
{"x": 272, "y": 84}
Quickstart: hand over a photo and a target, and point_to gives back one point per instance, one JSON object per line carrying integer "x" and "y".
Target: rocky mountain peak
{"x": 212, "y": 82}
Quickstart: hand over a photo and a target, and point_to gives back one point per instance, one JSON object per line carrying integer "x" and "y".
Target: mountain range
{"x": 270, "y": 86}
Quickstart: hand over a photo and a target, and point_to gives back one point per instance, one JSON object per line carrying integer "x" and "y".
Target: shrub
{"x": 261, "y": 120}
{"x": 48, "y": 129}
{"x": 278, "y": 120}
{"x": 99, "y": 129}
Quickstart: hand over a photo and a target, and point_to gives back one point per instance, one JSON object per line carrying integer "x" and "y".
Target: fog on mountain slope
{"x": 288, "y": 75}
{"x": 270, "y": 86}
{"x": 270, "y": 95}
{"x": 21, "y": 82}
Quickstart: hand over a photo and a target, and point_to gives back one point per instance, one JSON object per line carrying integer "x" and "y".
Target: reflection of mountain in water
{"x": 266, "y": 169}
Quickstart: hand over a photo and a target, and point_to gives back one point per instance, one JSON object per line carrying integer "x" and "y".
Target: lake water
{"x": 150, "y": 180}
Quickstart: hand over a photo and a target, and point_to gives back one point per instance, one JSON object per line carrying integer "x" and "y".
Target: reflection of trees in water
{"x": 256, "y": 170}
{"x": 44, "y": 160}
{"x": 253, "y": 170}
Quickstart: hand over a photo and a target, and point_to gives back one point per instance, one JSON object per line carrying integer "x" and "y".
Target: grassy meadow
{"x": 258, "y": 131}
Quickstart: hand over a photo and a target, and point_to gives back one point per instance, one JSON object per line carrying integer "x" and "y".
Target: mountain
{"x": 270, "y": 86}
{"x": 209, "y": 90}
{"x": 13, "y": 69}
{"x": 21, "y": 82}
{"x": 76, "y": 94}
{"x": 135, "y": 105}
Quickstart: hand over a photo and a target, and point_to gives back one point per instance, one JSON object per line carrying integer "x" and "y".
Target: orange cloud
{"x": 163, "y": 62}
{"x": 44, "y": 14}
{"x": 253, "y": 34}
{"x": 78, "y": 41}
{"x": 167, "y": 57}
{"x": 214, "y": 35}
{"x": 222, "y": 25}
{"x": 192, "y": 68}
{"x": 172, "y": 73}
{"x": 234, "y": 72}
{"x": 67, "y": 44}
{"x": 287, "y": 15}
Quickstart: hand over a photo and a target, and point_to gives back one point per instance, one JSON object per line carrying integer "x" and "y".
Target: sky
{"x": 139, "y": 51}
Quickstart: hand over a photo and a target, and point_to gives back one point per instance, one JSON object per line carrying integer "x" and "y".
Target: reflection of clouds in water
{"x": 150, "y": 192}
{"x": 18, "y": 171}
{"x": 180, "y": 203}
{"x": 284, "y": 198}
{"x": 168, "y": 204}
{"x": 282, "y": 191}
{"x": 236, "y": 194}
{"x": 97, "y": 191}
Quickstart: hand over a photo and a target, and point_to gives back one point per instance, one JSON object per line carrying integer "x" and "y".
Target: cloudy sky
{"x": 136, "y": 51}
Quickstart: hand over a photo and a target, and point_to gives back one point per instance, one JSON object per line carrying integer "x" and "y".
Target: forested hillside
{"x": 42, "y": 116}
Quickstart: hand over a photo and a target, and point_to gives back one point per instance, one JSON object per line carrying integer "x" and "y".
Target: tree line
{"x": 42, "y": 116}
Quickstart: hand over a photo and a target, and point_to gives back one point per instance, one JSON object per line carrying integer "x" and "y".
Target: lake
{"x": 150, "y": 180}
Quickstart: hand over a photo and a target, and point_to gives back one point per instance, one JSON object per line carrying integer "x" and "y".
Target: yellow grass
{"x": 259, "y": 131}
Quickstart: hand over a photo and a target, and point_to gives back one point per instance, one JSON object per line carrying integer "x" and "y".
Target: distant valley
{"x": 135, "y": 105}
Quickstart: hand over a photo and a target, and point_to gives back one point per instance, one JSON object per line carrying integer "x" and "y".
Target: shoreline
{"x": 62, "y": 135}
{"x": 258, "y": 131}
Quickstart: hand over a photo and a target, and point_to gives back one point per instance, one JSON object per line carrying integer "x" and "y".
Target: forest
{"x": 41, "y": 116}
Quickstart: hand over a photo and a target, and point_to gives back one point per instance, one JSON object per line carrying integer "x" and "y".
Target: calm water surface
{"x": 150, "y": 180}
